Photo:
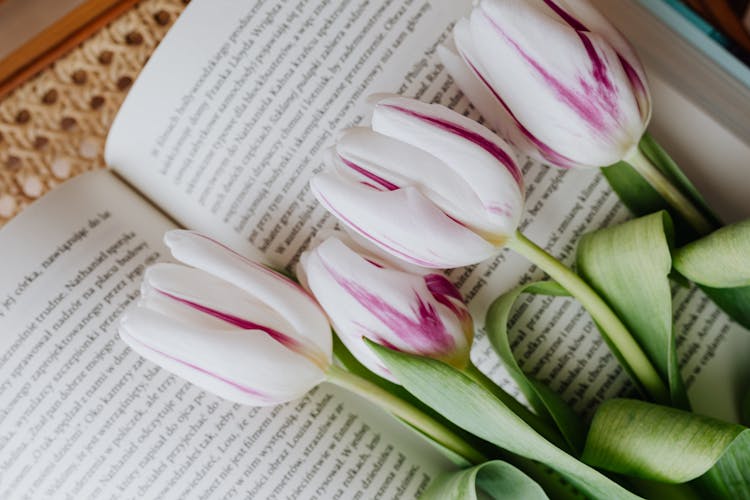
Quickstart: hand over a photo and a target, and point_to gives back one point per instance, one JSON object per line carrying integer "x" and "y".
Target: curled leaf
{"x": 495, "y": 479}
{"x": 665, "y": 444}
{"x": 720, "y": 260}
{"x": 629, "y": 266}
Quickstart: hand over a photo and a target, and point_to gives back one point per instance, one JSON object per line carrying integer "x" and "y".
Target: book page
{"x": 234, "y": 111}
{"x": 82, "y": 416}
{"x": 232, "y": 117}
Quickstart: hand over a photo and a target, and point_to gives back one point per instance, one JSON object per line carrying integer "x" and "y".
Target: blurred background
{"x": 21, "y": 20}
{"x": 726, "y": 21}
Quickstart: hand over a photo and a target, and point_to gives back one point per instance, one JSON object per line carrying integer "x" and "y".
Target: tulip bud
{"x": 366, "y": 295}
{"x": 554, "y": 78}
{"x": 425, "y": 184}
{"x": 229, "y": 325}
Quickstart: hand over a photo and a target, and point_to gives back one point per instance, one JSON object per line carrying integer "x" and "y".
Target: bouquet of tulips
{"x": 424, "y": 189}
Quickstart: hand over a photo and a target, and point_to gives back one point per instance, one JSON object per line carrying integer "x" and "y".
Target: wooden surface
{"x": 54, "y": 125}
{"x": 57, "y": 39}
{"x": 20, "y": 20}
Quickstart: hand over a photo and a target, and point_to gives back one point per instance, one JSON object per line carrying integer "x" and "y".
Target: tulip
{"x": 561, "y": 84}
{"x": 436, "y": 189}
{"x": 453, "y": 186}
{"x": 577, "y": 95}
{"x": 248, "y": 334}
{"x": 366, "y": 296}
{"x": 369, "y": 296}
{"x": 229, "y": 325}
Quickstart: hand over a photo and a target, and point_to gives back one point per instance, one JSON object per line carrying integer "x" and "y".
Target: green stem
{"x": 406, "y": 412}
{"x": 669, "y": 192}
{"x": 617, "y": 335}
{"x": 539, "y": 424}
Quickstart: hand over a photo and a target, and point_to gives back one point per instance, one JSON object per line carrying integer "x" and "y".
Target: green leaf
{"x": 629, "y": 266}
{"x": 733, "y": 301}
{"x": 545, "y": 402}
{"x": 496, "y": 479}
{"x": 473, "y": 408}
{"x": 720, "y": 264}
{"x": 642, "y": 199}
{"x": 720, "y": 260}
{"x": 730, "y": 476}
{"x": 669, "y": 445}
{"x": 352, "y": 365}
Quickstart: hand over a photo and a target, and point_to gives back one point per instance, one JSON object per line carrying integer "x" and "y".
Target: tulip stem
{"x": 538, "y": 423}
{"x": 406, "y": 412}
{"x": 673, "y": 196}
{"x": 613, "y": 330}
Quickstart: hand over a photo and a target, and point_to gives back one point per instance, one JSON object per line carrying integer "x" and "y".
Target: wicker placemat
{"x": 54, "y": 126}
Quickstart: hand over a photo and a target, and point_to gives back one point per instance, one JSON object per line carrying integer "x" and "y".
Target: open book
{"x": 221, "y": 133}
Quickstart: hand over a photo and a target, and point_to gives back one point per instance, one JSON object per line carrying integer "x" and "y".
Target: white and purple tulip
{"x": 367, "y": 295}
{"x": 229, "y": 325}
{"x": 425, "y": 184}
{"x": 554, "y": 78}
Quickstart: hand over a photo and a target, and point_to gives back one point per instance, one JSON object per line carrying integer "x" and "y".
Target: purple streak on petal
{"x": 636, "y": 82}
{"x": 302, "y": 348}
{"x": 373, "y": 263}
{"x": 447, "y": 294}
{"x": 486, "y": 144}
{"x": 390, "y": 248}
{"x": 380, "y": 340}
{"x": 547, "y": 152}
{"x": 236, "y": 385}
{"x": 572, "y": 21}
{"x": 601, "y": 76}
{"x": 372, "y": 186}
{"x": 241, "y": 323}
{"x": 638, "y": 85}
{"x": 503, "y": 210}
{"x": 588, "y": 103}
{"x": 375, "y": 178}
{"x": 438, "y": 284}
{"x": 423, "y": 331}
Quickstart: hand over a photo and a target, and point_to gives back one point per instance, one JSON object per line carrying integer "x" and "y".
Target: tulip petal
{"x": 365, "y": 155}
{"x": 245, "y": 366}
{"x": 220, "y": 302}
{"x": 430, "y": 126}
{"x": 277, "y": 292}
{"x": 391, "y": 307}
{"x": 466, "y": 69}
{"x": 473, "y": 151}
{"x": 368, "y": 250}
{"x": 447, "y": 294}
{"x": 565, "y": 85}
{"x": 403, "y": 223}
{"x": 582, "y": 16}
{"x": 512, "y": 129}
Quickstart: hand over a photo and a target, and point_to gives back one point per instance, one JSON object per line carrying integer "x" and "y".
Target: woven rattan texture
{"x": 53, "y": 126}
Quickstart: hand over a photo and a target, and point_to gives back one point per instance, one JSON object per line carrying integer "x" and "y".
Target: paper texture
{"x": 83, "y": 416}
{"x": 222, "y": 131}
